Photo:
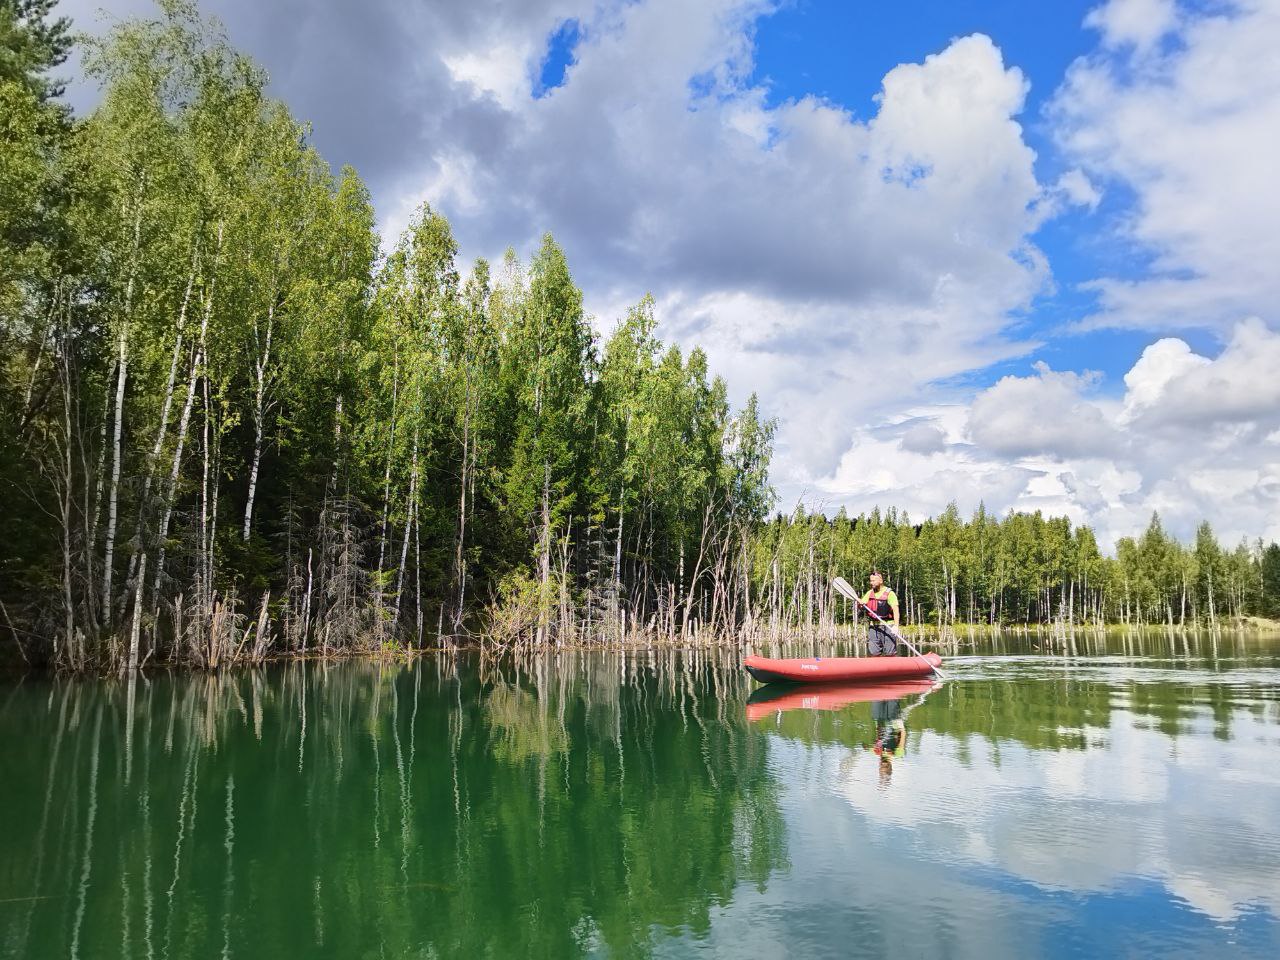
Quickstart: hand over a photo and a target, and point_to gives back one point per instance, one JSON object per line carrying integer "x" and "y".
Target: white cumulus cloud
{"x": 1192, "y": 128}
{"x": 1138, "y": 23}
{"x": 1048, "y": 414}
{"x": 1192, "y": 437}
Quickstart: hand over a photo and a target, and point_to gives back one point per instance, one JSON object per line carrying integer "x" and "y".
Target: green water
{"x": 1124, "y": 801}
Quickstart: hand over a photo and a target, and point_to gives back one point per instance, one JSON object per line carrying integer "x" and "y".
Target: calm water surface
{"x": 1123, "y": 801}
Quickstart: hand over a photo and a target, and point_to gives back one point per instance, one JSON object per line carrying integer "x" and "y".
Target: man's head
{"x": 876, "y": 579}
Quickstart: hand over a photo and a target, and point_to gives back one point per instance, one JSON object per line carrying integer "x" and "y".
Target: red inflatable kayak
{"x": 830, "y": 696}
{"x": 825, "y": 669}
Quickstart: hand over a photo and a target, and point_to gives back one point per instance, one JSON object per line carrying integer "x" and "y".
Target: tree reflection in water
{"x": 546, "y": 808}
{"x": 592, "y": 803}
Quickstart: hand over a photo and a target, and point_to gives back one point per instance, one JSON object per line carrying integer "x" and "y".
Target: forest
{"x": 235, "y": 423}
{"x": 1020, "y": 569}
{"x": 232, "y": 426}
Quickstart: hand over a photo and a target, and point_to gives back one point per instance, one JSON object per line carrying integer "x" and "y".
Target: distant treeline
{"x": 230, "y": 427}
{"x": 1020, "y": 569}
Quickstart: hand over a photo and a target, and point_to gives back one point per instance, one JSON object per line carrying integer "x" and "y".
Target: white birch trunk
{"x": 213, "y": 509}
{"x": 113, "y": 494}
{"x": 134, "y": 576}
{"x": 417, "y": 583}
{"x": 165, "y": 408}
{"x": 197, "y": 371}
{"x": 203, "y": 588}
{"x": 175, "y": 468}
{"x": 460, "y": 563}
{"x": 408, "y": 529}
{"x": 45, "y": 337}
{"x": 136, "y": 630}
{"x": 68, "y": 598}
{"x": 544, "y": 551}
{"x": 259, "y": 415}
{"x": 617, "y": 552}
{"x": 93, "y": 514}
{"x": 122, "y": 373}
{"x": 386, "y": 477}
{"x": 100, "y": 473}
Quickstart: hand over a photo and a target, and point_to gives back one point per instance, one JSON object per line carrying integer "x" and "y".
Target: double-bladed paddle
{"x": 844, "y": 589}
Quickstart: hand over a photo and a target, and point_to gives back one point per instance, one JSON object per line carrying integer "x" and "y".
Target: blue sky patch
{"x": 559, "y": 57}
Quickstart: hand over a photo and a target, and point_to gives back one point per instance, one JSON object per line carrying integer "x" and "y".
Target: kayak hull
{"x": 828, "y": 669}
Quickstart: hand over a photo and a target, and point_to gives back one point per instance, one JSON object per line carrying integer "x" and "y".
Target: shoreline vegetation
{"x": 232, "y": 429}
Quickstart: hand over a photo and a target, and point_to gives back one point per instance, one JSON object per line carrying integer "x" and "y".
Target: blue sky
{"x": 841, "y": 50}
{"x": 1010, "y": 253}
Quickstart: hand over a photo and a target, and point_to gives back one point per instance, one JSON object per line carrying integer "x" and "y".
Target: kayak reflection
{"x": 890, "y": 703}
{"x": 775, "y": 698}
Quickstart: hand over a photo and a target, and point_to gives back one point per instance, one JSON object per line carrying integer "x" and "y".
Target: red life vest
{"x": 880, "y": 605}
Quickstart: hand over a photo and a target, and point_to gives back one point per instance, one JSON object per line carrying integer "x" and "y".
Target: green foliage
{"x": 233, "y": 417}
{"x": 1269, "y": 604}
{"x": 31, "y": 45}
{"x": 1023, "y": 569}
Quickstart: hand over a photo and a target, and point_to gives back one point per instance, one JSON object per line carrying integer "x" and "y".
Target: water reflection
{"x": 548, "y": 809}
{"x": 655, "y": 804}
{"x": 890, "y": 735}
{"x": 1125, "y": 795}
{"x": 774, "y": 698}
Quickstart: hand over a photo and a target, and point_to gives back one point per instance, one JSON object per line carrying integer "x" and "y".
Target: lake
{"x": 1121, "y": 798}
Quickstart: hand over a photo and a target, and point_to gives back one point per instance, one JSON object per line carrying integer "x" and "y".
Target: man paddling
{"x": 882, "y": 638}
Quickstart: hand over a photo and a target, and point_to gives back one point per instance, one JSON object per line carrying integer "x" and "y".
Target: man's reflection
{"x": 890, "y": 734}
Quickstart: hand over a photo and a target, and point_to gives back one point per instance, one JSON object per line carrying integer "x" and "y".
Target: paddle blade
{"x": 842, "y": 587}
